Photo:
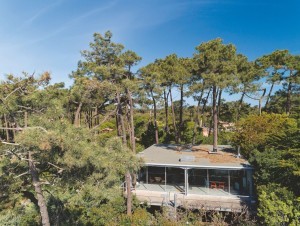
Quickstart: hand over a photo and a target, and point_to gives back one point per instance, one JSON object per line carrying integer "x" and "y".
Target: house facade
{"x": 194, "y": 177}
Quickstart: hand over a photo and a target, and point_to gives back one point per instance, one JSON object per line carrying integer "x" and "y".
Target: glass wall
{"x": 198, "y": 177}
{"x": 142, "y": 176}
{"x": 175, "y": 176}
{"x": 218, "y": 179}
{"x": 241, "y": 182}
{"x": 236, "y": 182}
{"x": 156, "y": 175}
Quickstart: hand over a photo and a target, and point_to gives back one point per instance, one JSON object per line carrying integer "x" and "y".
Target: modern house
{"x": 195, "y": 177}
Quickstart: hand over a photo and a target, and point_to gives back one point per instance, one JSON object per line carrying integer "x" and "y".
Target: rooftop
{"x": 193, "y": 156}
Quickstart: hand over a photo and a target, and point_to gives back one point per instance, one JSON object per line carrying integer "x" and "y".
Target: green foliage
{"x": 217, "y": 63}
{"x": 141, "y": 122}
{"x": 233, "y": 110}
{"x": 271, "y": 142}
{"x": 24, "y": 213}
{"x": 83, "y": 183}
{"x": 277, "y": 102}
{"x": 278, "y": 206}
{"x": 188, "y": 133}
{"x": 148, "y": 137}
{"x": 256, "y": 131}
{"x": 105, "y": 135}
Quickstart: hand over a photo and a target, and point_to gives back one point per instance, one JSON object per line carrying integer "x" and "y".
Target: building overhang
{"x": 199, "y": 166}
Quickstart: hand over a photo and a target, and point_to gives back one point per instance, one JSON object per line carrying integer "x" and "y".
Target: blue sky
{"x": 38, "y": 36}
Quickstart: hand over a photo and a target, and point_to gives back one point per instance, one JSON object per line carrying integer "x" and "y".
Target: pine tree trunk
{"x": 269, "y": 95}
{"x": 288, "y": 99}
{"x": 127, "y": 113}
{"x": 155, "y": 118}
{"x": 90, "y": 122}
{"x": 173, "y": 117}
{"x": 129, "y": 195}
{"x": 119, "y": 131}
{"x": 6, "y": 126}
{"x": 38, "y": 190}
{"x": 120, "y": 119}
{"x": 215, "y": 119}
{"x": 210, "y": 123}
{"x": 180, "y": 114}
{"x": 166, "y": 111}
{"x": 219, "y": 102}
{"x": 122, "y": 130}
{"x": 25, "y": 119}
{"x": 197, "y": 120}
{"x": 96, "y": 117}
{"x": 131, "y": 122}
{"x": 77, "y": 115}
{"x": 260, "y": 101}
{"x": 240, "y": 107}
{"x": 132, "y": 132}
{"x": 204, "y": 106}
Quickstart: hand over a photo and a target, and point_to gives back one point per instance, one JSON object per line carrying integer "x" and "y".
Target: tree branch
{"x": 36, "y": 127}
{"x": 11, "y": 93}
{"x": 29, "y": 108}
{"x": 22, "y": 174}
{"x": 15, "y": 144}
{"x": 105, "y": 118}
{"x": 20, "y": 129}
{"x": 57, "y": 167}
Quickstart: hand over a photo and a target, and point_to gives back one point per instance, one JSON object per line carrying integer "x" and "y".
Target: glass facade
{"x": 235, "y": 182}
{"x": 198, "y": 177}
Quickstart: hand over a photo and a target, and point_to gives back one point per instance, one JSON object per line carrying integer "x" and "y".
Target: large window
{"x": 156, "y": 175}
{"x": 175, "y": 176}
{"x": 241, "y": 182}
{"x": 218, "y": 179}
{"x": 198, "y": 177}
{"x": 142, "y": 176}
{"x": 236, "y": 182}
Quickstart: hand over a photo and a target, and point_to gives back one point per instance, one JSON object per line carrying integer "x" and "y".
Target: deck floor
{"x": 196, "y": 190}
{"x": 198, "y": 197}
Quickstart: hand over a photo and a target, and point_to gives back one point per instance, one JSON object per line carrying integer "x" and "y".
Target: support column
{"x": 165, "y": 178}
{"x": 186, "y": 181}
{"x": 250, "y": 180}
{"x": 146, "y": 174}
{"x": 229, "y": 181}
{"x": 207, "y": 178}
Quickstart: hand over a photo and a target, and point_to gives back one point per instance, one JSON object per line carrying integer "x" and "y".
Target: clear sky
{"x": 47, "y": 35}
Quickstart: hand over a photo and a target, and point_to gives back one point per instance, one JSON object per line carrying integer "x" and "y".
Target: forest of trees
{"x": 66, "y": 151}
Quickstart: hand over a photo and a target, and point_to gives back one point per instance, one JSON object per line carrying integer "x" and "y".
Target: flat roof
{"x": 200, "y": 156}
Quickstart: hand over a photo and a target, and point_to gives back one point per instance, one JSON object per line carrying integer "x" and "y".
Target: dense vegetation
{"x": 65, "y": 152}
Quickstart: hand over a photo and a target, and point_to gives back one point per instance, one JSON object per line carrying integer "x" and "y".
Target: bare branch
{"x": 29, "y": 108}
{"x": 45, "y": 182}
{"x": 22, "y": 174}
{"x": 12, "y": 152}
{"x": 20, "y": 129}
{"x": 15, "y": 144}
{"x": 11, "y": 128}
{"x": 29, "y": 160}
{"x": 36, "y": 127}
{"x": 57, "y": 167}
{"x": 252, "y": 97}
{"x": 105, "y": 118}
{"x": 12, "y": 93}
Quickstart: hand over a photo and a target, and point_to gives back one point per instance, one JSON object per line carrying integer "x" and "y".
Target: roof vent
{"x": 187, "y": 158}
